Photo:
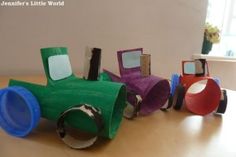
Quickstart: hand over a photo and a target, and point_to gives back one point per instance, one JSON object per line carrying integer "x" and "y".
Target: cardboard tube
{"x": 145, "y": 62}
{"x": 153, "y": 90}
{"x": 200, "y": 67}
{"x": 92, "y": 63}
{"x": 205, "y": 101}
{"x": 57, "y": 97}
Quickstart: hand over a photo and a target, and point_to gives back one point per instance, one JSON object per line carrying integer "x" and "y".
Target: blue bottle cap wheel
{"x": 174, "y": 83}
{"x": 19, "y": 111}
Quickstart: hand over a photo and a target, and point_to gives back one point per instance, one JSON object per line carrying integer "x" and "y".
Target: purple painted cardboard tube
{"x": 154, "y": 90}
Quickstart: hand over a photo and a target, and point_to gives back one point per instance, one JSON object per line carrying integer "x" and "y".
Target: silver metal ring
{"x": 92, "y": 113}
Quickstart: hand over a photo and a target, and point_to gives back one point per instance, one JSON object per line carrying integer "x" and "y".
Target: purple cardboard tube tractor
{"x": 150, "y": 92}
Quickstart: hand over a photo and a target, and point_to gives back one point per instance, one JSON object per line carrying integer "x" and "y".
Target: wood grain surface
{"x": 165, "y": 134}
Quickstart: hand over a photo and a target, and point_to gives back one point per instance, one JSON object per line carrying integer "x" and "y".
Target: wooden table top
{"x": 164, "y": 134}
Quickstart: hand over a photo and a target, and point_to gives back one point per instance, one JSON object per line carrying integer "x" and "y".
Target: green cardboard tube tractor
{"x": 64, "y": 91}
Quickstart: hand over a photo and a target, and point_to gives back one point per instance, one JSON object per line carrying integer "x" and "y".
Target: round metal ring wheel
{"x": 131, "y": 111}
{"x": 72, "y": 142}
{"x": 223, "y": 102}
{"x": 178, "y": 97}
{"x": 168, "y": 104}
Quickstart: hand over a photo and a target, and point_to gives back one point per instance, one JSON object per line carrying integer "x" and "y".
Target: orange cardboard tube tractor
{"x": 200, "y": 93}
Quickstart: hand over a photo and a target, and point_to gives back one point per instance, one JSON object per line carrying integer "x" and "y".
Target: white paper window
{"x": 131, "y": 59}
{"x": 59, "y": 67}
{"x": 189, "y": 68}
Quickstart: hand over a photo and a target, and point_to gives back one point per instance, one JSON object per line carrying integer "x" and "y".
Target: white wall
{"x": 171, "y": 30}
{"x": 225, "y": 71}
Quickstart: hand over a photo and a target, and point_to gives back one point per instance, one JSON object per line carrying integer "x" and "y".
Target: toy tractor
{"x": 146, "y": 93}
{"x": 190, "y": 88}
{"x": 94, "y": 107}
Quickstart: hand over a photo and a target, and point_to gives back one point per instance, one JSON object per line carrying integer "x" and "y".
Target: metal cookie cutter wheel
{"x": 72, "y": 142}
{"x": 132, "y": 111}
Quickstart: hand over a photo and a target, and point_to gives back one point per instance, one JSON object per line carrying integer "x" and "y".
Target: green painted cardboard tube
{"x": 60, "y": 95}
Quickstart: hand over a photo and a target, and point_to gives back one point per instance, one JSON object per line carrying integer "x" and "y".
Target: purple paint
{"x": 154, "y": 90}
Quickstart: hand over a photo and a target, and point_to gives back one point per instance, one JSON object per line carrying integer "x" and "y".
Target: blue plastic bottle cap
{"x": 217, "y": 80}
{"x": 19, "y": 111}
{"x": 174, "y": 83}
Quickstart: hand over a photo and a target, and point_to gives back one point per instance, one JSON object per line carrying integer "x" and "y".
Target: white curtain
{"x": 222, "y": 13}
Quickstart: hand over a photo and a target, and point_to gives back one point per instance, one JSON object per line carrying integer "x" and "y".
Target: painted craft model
{"x": 146, "y": 93}
{"x": 200, "y": 93}
{"x": 92, "y": 106}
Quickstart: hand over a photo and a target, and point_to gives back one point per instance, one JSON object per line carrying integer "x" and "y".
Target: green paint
{"x": 104, "y": 77}
{"x": 57, "y": 96}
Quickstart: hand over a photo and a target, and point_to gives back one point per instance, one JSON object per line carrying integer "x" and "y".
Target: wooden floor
{"x": 163, "y": 134}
